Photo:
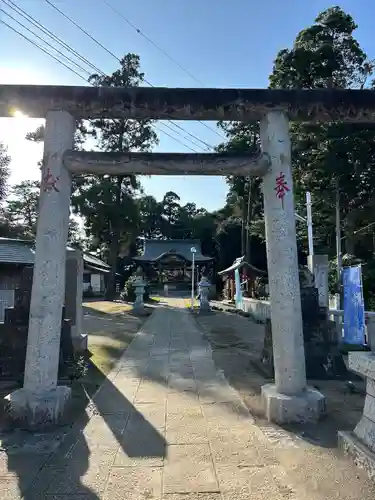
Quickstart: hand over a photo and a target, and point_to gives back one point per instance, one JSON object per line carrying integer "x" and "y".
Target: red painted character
{"x": 49, "y": 181}
{"x": 281, "y": 187}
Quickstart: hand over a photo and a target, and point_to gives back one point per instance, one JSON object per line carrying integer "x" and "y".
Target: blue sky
{"x": 222, "y": 43}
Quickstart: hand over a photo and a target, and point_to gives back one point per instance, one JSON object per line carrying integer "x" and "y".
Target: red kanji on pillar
{"x": 281, "y": 187}
{"x": 49, "y": 181}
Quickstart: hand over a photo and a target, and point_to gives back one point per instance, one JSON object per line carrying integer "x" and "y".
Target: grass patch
{"x": 107, "y": 307}
{"x": 154, "y": 298}
{"x": 105, "y": 356}
{"x": 187, "y": 303}
{"x": 109, "y": 335}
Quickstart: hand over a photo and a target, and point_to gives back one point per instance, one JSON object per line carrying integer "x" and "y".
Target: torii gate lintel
{"x": 288, "y": 399}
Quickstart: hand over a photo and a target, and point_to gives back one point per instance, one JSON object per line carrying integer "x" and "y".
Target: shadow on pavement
{"x": 237, "y": 345}
{"x": 111, "y": 431}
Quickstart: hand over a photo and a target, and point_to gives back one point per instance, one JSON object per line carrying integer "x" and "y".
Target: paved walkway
{"x": 166, "y": 425}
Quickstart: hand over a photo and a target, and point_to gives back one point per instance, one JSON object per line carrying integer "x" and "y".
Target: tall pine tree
{"x": 108, "y": 203}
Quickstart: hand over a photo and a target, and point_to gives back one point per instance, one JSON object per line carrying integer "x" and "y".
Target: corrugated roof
{"x": 13, "y": 251}
{"x": 100, "y": 269}
{"x": 155, "y": 249}
{"x": 91, "y": 259}
{"x": 16, "y": 251}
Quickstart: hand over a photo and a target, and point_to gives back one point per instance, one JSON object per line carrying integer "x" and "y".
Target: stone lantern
{"x": 139, "y": 286}
{"x": 204, "y": 288}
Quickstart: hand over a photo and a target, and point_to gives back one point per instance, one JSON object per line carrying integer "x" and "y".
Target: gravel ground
{"x": 310, "y": 451}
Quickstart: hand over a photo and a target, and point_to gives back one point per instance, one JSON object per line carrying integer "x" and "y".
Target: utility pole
{"x": 247, "y": 247}
{"x": 338, "y": 244}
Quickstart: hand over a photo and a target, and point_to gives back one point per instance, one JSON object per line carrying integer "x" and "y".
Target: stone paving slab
{"x": 189, "y": 469}
{"x": 165, "y": 425}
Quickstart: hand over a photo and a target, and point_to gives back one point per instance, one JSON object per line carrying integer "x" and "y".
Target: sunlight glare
{"x": 18, "y": 114}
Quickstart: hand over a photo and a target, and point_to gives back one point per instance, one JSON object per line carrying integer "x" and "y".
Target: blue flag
{"x": 354, "y": 307}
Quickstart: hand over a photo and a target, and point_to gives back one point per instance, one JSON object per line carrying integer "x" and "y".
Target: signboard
{"x": 354, "y": 307}
{"x": 237, "y": 281}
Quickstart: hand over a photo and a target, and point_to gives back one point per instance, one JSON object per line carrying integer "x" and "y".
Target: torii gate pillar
{"x": 288, "y": 400}
{"x": 41, "y": 401}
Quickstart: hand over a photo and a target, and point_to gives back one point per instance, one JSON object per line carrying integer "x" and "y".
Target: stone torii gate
{"x": 289, "y": 399}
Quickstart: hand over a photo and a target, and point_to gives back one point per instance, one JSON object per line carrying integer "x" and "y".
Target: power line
{"x": 191, "y": 135}
{"x": 42, "y": 39}
{"x": 152, "y": 42}
{"x": 49, "y": 33}
{"x": 80, "y": 76}
{"x": 163, "y": 51}
{"x": 360, "y": 230}
{"x": 43, "y": 49}
{"x": 178, "y": 140}
{"x": 81, "y": 29}
{"x": 363, "y": 228}
{"x": 119, "y": 60}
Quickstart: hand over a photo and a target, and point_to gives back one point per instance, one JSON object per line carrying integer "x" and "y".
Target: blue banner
{"x": 354, "y": 307}
{"x": 237, "y": 282}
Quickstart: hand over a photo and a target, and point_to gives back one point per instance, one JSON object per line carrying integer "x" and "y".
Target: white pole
{"x": 309, "y": 223}
{"x": 338, "y": 246}
{"x": 192, "y": 281}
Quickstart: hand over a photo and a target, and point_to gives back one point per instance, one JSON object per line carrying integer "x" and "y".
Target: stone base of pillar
{"x": 361, "y": 454}
{"x": 80, "y": 343}
{"x": 37, "y": 410}
{"x": 360, "y": 444}
{"x": 308, "y": 406}
{"x": 139, "y": 310}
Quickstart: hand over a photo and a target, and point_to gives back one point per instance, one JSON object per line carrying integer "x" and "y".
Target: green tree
{"x": 4, "y": 171}
{"x": 170, "y": 213}
{"x": 228, "y": 240}
{"x": 22, "y": 206}
{"x": 244, "y": 198}
{"x": 330, "y": 157}
{"x": 150, "y": 213}
{"x": 324, "y": 55}
{"x": 22, "y": 211}
{"x": 108, "y": 203}
{"x": 7, "y": 229}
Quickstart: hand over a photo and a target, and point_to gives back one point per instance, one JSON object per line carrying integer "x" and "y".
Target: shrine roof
{"x": 238, "y": 264}
{"x": 160, "y": 103}
{"x": 154, "y": 250}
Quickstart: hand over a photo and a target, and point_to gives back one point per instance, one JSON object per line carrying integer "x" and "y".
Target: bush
{"x": 76, "y": 368}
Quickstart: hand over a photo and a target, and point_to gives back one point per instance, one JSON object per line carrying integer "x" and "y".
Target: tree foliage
{"x": 22, "y": 211}
{"x": 244, "y": 199}
{"x": 108, "y": 204}
{"x": 4, "y": 171}
{"x": 337, "y": 156}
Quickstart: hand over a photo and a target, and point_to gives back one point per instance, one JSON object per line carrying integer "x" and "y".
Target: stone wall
{"x": 261, "y": 310}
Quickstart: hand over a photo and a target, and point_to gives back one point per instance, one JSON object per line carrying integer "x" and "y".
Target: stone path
{"x": 166, "y": 425}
